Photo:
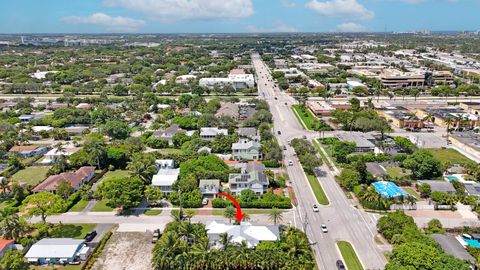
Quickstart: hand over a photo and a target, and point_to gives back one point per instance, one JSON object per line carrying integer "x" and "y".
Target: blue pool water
{"x": 472, "y": 242}
{"x": 452, "y": 178}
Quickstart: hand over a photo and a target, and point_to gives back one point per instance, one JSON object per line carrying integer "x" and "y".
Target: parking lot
{"x": 126, "y": 250}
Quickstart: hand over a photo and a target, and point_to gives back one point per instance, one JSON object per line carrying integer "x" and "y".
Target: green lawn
{"x": 79, "y": 206}
{"x": 170, "y": 151}
{"x": 412, "y": 192}
{"x": 31, "y": 175}
{"x": 77, "y": 231}
{"x": 101, "y": 206}
{"x": 56, "y": 267}
{"x": 449, "y": 155}
{"x": 119, "y": 173}
{"x": 398, "y": 172}
{"x": 153, "y": 212}
{"x": 349, "y": 256}
{"x": 306, "y": 116}
{"x": 317, "y": 190}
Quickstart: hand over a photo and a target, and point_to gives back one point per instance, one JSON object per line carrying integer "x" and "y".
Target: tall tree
{"x": 275, "y": 215}
{"x": 43, "y": 204}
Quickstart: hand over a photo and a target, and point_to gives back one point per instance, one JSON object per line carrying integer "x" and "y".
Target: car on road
{"x": 340, "y": 265}
{"x": 276, "y": 98}
{"x": 324, "y": 228}
{"x": 315, "y": 208}
{"x": 90, "y": 236}
{"x": 284, "y": 147}
{"x": 290, "y": 163}
{"x": 279, "y": 132}
{"x": 205, "y": 201}
{"x": 286, "y": 104}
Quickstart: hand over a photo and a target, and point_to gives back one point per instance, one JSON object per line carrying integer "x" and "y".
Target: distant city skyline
{"x": 237, "y": 16}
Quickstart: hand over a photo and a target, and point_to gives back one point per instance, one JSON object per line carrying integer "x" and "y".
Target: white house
{"x": 210, "y": 133}
{"x": 237, "y": 79}
{"x": 52, "y": 155}
{"x": 166, "y": 175}
{"x": 57, "y": 251}
{"x": 251, "y": 234}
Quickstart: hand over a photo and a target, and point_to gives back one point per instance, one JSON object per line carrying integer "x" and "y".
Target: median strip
{"x": 349, "y": 255}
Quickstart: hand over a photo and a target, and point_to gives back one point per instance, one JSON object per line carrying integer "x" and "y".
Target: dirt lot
{"x": 132, "y": 251}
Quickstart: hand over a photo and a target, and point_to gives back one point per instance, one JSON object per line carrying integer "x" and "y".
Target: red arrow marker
{"x": 239, "y": 216}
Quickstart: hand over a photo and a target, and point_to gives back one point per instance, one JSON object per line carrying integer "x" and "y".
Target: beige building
{"x": 400, "y": 117}
{"x": 392, "y": 78}
{"x": 322, "y": 108}
{"x": 468, "y": 142}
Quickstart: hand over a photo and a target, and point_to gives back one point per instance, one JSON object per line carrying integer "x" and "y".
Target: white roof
{"x": 212, "y": 131}
{"x": 54, "y": 248}
{"x": 40, "y": 128}
{"x": 165, "y": 177}
{"x": 165, "y": 163}
{"x": 246, "y": 231}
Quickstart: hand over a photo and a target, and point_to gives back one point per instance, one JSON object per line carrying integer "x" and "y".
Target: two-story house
{"x": 246, "y": 150}
{"x": 210, "y": 133}
{"x": 255, "y": 180}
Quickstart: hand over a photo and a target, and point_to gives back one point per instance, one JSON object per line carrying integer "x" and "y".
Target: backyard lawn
{"x": 101, "y": 206}
{"x": 79, "y": 206}
{"x": 449, "y": 155}
{"x": 306, "y": 115}
{"x": 398, "y": 172}
{"x": 349, "y": 256}
{"x": 317, "y": 190}
{"x": 119, "y": 173}
{"x": 412, "y": 192}
{"x": 77, "y": 231}
{"x": 31, "y": 176}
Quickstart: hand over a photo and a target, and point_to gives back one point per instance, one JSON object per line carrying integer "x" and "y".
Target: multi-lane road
{"x": 343, "y": 220}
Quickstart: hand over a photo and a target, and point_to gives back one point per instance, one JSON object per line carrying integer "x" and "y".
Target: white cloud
{"x": 173, "y": 10}
{"x": 114, "y": 24}
{"x": 276, "y": 28}
{"x": 288, "y": 4}
{"x": 351, "y": 27}
{"x": 340, "y": 8}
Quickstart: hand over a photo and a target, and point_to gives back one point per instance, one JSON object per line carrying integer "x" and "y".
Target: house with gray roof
{"x": 452, "y": 246}
{"x": 209, "y": 187}
{"x": 210, "y": 133}
{"x": 439, "y": 185}
{"x": 246, "y": 150}
{"x": 249, "y": 133}
{"x": 168, "y": 133}
{"x": 256, "y": 181}
{"x": 228, "y": 109}
{"x": 364, "y": 142}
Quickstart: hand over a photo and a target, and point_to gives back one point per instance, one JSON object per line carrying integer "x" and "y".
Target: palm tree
{"x": 297, "y": 245}
{"x": 189, "y": 214}
{"x": 449, "y": 121}
{"x": 246, "y": 217}
{"x": 225, "y": 240}
{"x": 4, "y": 184}
{"x": 60, "y": 148}
{"x": 370, "y": 195}
{"x": 275, "y": 215}
{"x": 177, "y": 215}
{"x": 229, "y": 213}
{"x": 13, "y": 227}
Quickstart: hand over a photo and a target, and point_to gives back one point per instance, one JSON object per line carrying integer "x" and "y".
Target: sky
{"x": 236, "y": 16}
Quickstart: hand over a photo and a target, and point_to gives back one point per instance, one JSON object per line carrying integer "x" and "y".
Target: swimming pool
{"x": 472, "y": 242}
{"x": 452, "y": 178}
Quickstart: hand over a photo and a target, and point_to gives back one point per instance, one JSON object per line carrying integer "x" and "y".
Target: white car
{"x": 290, "y": 163}
{"x": 324, "y": 228}
{"x": 315, "y": 208}
{"x": 205, "y": 201}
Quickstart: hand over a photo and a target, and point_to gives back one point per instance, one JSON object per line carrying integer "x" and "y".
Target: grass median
{"x": 317, "y": 190}
{"x": 324, "y": 157}
{"x": 349, "y": 256}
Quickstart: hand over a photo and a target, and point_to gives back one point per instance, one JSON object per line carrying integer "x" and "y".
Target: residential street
{"x": 343, "y": 220}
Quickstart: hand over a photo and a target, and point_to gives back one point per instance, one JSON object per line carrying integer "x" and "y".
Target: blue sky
{"x": 208, "y": 16}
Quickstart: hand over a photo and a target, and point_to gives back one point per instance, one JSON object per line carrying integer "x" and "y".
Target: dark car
{"x": 90, "y": 236}
{"x": 279, "y": 132}
{"x": 340, "y": 265}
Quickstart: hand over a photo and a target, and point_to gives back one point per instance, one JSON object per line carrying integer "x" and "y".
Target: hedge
{"x": 96, "y": 253}
{"x": 283, "y": 203}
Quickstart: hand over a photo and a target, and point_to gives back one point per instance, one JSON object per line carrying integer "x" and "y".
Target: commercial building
{"x": 364, "y": 142}
{"x": 442, "y": 77}
{"x": 459, "y": 117}
{"x": 75, "y": 179}
{"x": 57, "y": 251}
{"x": 245, "y": 232}
{"x": 237, "y": 78}
{"x": 467, "y": 141}
{"x": 323, "y": 108}
{"x": 392, "y": 78}
{"x": 400, "y": 117}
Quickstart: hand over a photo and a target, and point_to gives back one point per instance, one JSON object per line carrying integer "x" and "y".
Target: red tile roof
{"x": 74, "y": 179}
{"x": 5, "y": 243}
